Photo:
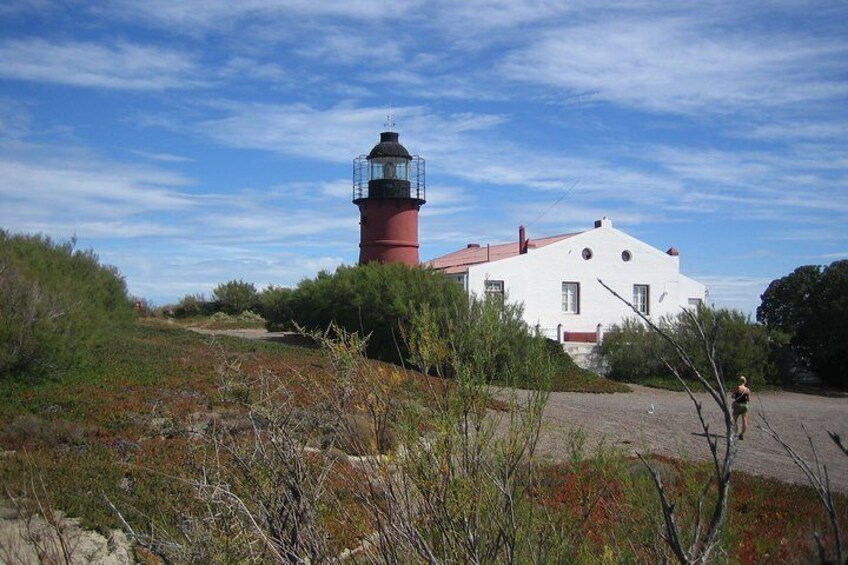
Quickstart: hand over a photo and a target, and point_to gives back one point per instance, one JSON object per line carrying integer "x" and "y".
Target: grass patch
{"x": 579, "y": 380}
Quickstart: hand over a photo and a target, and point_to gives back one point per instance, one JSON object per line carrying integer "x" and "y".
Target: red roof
{"x": 459, "y": 261}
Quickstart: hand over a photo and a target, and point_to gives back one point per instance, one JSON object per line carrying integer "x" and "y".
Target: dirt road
{"x": 624, "y": 420}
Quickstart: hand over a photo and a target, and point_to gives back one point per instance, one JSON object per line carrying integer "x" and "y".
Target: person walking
{"x": 741, "y": 396}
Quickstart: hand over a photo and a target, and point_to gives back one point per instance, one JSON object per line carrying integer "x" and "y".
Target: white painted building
{"x": 557, "y": 279}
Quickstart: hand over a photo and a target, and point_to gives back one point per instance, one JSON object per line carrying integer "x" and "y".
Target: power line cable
{"x": 558, "y": 200}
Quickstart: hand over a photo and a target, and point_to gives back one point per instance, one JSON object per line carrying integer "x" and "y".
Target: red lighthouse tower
{"x": 388, "y": 188}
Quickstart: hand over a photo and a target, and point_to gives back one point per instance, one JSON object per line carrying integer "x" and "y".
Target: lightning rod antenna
{"x": 390, "y": 123}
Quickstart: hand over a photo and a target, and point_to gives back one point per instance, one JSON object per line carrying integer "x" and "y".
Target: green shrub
{"x": 634, "y": 353}
{"x": 375, "y": 299}
{"x": 490, "y": 338}
{"x": 397, "y": 306}
{"x": 55, "y": 303}
{"x": 249, "y": 316}
{"x": 274, "y": 304}
{"x": 191, "y": 305}
{"x": 234, "y": 297}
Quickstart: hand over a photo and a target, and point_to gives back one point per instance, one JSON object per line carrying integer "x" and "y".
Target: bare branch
{"x": 702, "y": 544}
{"x": 838, "y": 441}
{"x": 818, "y": 478}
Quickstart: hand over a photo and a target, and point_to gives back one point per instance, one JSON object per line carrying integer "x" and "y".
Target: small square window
{"x": 494, "y": 289}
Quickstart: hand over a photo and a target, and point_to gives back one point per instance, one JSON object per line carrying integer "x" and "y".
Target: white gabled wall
{"x": 536, "y": 278}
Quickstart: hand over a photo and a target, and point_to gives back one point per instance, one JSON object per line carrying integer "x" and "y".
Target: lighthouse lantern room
{"x": 388, "y": 188}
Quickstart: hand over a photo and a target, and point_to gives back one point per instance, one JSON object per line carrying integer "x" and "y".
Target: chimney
{"x": 522, "y": 240}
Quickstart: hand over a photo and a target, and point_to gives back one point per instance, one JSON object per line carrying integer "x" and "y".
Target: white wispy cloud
{"x": 166, "y": 239}
{"x": 798, "y": 129}
{"x": 102, "y": 229}
{"x": 292, "y": 215}
{"x": 571, "y": 217}
{"x": 681, "y": 64}
{"x": 275, "y": 226}
{"x": 163, "y": 157}
{"x": 817, "y": 234}
{"x": 747, "y": 182}
{"x": 491, "y": 14}
{"x": 242, "y": 68}
{"x": 334, "y": 134}
{"x": 62, "y": 190}
{"x": 292, "y": 129}
{"x": 663, "y": 182}
{"x": 14, "y": 7}
{"x": 486, "y": 157}
{"x": 14, "y": 118}
{"x": 842, "y": 255}
{"x": 123, "y": 66}
{"x": 191, "y": 15}
{"x": 337, "y": 45}
{"x": 739, "y": 292}
{"x": 178, "y": 273}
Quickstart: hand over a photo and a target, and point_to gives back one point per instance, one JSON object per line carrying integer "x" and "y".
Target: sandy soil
{"x": 624, "y": 420}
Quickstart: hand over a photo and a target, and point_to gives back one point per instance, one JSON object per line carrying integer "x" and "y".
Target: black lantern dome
{"x": 388, "y": 171}
{"x": 389, "y": 146}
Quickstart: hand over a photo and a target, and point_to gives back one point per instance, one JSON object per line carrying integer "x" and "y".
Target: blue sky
{"x": 194, "y": 142}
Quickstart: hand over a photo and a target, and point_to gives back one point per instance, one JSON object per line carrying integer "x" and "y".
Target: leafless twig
{"x": 818, "y": 477}
{"x": 704, "y": 537}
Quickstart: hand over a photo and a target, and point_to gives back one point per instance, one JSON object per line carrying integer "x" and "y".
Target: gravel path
{"x": 673, "y": 429}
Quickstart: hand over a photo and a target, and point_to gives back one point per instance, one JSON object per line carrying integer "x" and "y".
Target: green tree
{"x": 234, "y": 297}
{"x": 810, "y": 306}
{"x": 787, "y": 302}
{"x": 825, "y": 333}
